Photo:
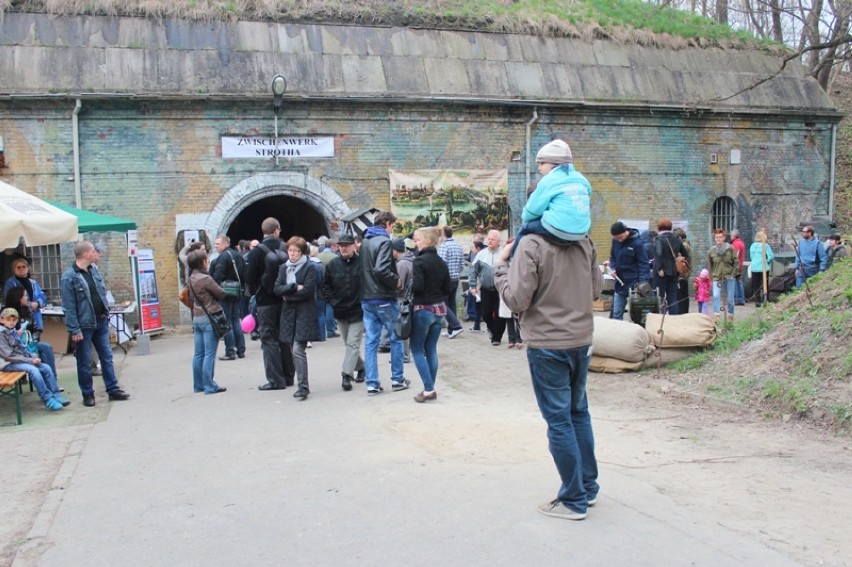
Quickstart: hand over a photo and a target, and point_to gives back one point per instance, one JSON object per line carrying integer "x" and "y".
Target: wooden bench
{"x": 10, "y": 386}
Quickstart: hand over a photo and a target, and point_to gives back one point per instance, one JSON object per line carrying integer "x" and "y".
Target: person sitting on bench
{"x": 16, "y": 358}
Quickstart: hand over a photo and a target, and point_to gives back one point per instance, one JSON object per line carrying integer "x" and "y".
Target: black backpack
{"x": 272, "y": 261}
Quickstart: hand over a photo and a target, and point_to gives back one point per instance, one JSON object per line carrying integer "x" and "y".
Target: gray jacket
{"x": 482, "y": 269}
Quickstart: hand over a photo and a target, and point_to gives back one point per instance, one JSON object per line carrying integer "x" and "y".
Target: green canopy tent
{"x": 88, "y": 221}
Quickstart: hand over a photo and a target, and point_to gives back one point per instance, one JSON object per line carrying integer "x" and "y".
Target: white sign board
{"x": 258, "y": 147}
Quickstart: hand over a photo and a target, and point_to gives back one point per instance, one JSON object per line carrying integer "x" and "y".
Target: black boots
{"x": 347, "y": 382}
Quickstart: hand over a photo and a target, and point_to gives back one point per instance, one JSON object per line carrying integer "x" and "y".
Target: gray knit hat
{"x": 556, "y": 152}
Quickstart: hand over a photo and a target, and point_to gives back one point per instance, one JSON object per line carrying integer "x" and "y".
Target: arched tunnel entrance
{"x": 297, "y": 218}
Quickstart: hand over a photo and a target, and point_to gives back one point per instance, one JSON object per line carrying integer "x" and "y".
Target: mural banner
{"x": 471, "y": 201}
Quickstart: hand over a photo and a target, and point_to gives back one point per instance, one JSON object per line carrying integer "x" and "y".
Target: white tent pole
{"x": 75, "y": 135}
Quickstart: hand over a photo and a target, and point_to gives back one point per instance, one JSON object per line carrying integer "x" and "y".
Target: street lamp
{"x": 279, "y": 87}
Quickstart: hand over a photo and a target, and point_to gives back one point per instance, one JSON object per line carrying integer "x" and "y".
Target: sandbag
{"x": 669, "y": 355}
{"x": 621, "y": 340}
{"x": 687, "y": 330}
{"x": 612, "y": 365}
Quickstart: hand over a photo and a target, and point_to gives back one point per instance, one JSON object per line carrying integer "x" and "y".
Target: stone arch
{"x": 317, "y": 194}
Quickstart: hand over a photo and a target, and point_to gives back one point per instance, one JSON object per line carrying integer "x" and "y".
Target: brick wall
{"x": 154, "y": 160}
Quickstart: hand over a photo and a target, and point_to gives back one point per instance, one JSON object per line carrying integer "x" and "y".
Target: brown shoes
{"x": 424, "y": 397}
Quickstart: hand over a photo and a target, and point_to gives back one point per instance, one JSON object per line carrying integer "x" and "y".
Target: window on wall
{"x": 724, "y": 214}
{"x": 46, "y": 269}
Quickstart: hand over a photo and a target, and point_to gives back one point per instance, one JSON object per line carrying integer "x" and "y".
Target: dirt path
{"x": 778, "y": 484}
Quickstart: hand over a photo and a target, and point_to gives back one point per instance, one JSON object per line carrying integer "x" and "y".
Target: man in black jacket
{"x": 277, "y": 356}
{"x": 628, "y": 263}
{"x": 342, "y": 289}
{"x": 230, "y": 266}
{"x": 379, "y": 280}
{"x": 667, "y": 246}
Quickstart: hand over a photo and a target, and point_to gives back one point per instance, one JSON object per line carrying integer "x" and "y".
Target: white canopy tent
{"x": 39, "y": 223}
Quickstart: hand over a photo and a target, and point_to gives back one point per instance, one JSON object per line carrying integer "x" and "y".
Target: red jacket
{"x": 739, "y": 246}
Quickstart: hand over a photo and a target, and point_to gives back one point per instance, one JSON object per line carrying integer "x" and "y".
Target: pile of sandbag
{"x": 678, "y": 336}
{"x": 618, "y": 346}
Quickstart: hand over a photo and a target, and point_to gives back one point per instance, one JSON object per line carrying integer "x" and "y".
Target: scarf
{"x": 294, "y": 267}
{"x": 27, "y": 285}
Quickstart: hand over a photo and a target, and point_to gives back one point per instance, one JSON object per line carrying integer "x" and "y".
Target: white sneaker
{"x": 557, "y": 509}
{"x": 454, "y": 333}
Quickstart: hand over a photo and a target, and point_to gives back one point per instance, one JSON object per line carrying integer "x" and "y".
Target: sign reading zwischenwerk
{"x": 258, "y": 147}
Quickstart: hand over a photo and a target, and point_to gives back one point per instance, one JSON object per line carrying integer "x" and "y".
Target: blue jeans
{"x": 321, "y": 322}
{"x": 204, "y": 358}
{"x": 619, "y": 302}
{"x": 667, "y": 290}
{"x": 804, "y": 273}
{"x": 425, "y": 331}
{"x": 740, "y": 291}
{"x": 99, "y": 338}
{"x": 330, "y": 321}
{"x": 41, "y": 376}
{"x": 45, "y": 353}
{"x": 559, "y": 383}
{"x": 235, "y": 341}
{"x": 376, "y": 317}
{"x": 730, "y": 292}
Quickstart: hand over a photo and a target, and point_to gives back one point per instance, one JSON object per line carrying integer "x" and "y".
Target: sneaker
{"x": 454, "y": 333}
{"x": 406, "y": 360}
{"x": 375, "y": 391}
{"x": 444, "y": 334}
{"x": 53, "y": 404}
{"x": 495, "y": 343}
{"x": 594, "y": 500}
{"x": 62, "y": 400}
{"x": 557, "y": 509}
{"x": 400, "y": 386}
{"x": 475, "y": 330}
{"x": 359, "y": 376}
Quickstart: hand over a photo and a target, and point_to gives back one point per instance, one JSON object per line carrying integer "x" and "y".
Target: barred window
{"x": 724, "y": 214}
{"x": 47, "y": 270}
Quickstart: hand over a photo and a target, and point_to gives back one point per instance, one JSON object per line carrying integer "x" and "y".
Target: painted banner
{"x": 259, "y": 147}
{"x": 149, "y": 299}
{"x": 471, "y": 201}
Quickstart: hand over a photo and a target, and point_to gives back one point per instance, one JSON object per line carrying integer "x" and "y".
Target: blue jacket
{"x": 562, "y": 200}
{"x": 812, "y": 255}
{"x": 629, "y": 261}
{"x": 77, "y": 301}
{"x": 40, "y": 297}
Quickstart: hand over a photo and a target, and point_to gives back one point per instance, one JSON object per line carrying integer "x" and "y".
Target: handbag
{"x": 221, "y": 325}
{"x": 233, "y": 288}
{"x": 183, "y": 296}
{"x": 681, "y": 263}
{"x": 402, "y": 327}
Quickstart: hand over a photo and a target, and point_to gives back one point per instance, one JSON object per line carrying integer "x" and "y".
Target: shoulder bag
{"x": 403, "y": 324}
{"x": 221, "y": 325}
{"x": 681, "y": 263}
{"x": 233, "y": 288}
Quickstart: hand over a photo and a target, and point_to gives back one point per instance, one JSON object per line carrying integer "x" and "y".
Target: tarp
{"x": 40, "y": 223}
{"x": 96, "y": 222}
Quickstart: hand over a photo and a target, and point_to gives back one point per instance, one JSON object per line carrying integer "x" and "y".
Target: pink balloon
{"x": 248, "y": 323}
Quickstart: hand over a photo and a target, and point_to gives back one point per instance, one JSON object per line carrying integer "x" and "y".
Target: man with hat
{"x": 835, "y": 250}
{"x": 341, "y": 288}
{"x": 560, "y": 206}
{"x": 628, "y": 265}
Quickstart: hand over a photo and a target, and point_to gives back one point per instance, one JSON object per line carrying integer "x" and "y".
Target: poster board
{"x": 145, "y": 281}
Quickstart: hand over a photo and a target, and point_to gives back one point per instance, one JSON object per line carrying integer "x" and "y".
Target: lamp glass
{"x": 279, "y": 85}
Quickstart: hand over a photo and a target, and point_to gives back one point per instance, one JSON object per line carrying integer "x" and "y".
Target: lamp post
{"x": 279, "y": 87}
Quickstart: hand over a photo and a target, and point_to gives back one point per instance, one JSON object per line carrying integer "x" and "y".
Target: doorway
{"x": 297, "y": 218}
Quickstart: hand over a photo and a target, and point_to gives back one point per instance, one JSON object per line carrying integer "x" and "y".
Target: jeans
{"x": 99, "y": 338}
{"x": 235, "y": 341}
{"x": 513, "y": 329}
{"x": 730, "y": 292}
{"x": 204, "y": 357}
{"x": 619, "y": 303}
{"x": 45, "y": 353}
{"x": 321, "y": 322}
{"x": 667, "y": 290}
{"x": 801, "y": 275}
{"x": 351, "y": 332}
{"x": 376, "y": 317}
{"x": 739, "y": 295}
{"x": 425, "y": 331}
{"x": 330, "y": 321}
{"x": 41, "y": 376}
{"x": 452, "y": 317}
{"x": 559, "y": 383}
{"x": 277, "y": 356}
